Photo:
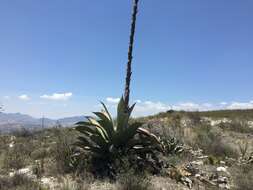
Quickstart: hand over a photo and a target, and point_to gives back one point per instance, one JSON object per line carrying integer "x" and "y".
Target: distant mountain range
{"x": 14, "y": 121}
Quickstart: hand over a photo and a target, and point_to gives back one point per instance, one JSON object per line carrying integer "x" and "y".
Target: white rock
{"x": 222, "y": 169}
{"x": 45, "y": 180}
{"x": 224, "y": 186}
{"x": 24, "y": 171}
{"x": 50, "y": 182}
{"x": 222, "y": 180}
{"x": 202, "y": 157}
{"x": 250, "y": 123}
{"x": 222, "y": 162}
{"x": 199, "y": 163}
{"x": 11, "y": 144}
{"x": 11, "y": 174}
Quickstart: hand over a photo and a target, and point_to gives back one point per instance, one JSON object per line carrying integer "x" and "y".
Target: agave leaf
{"x": 85, "y": 126}
{"x": 86, "y": 130}
{"x": 86, "y": 145}
{"x": 99, "y": 128}
{"x": 131, "y": 108}
{"x": 155, "y": 141}
{"x": 100, "y": 141}
{"x": 137, "y": 142}
{"x": 105, "y": 122}
{"x": 83, "y": 142}
{"x": 143, "y": 149}
{"x": 93, "y": 121}
{"x": 94, "y": 150}
{"x": 80, "y": 144}
{"x": 148, "y": 134}
{"x": 123, "y": 116}
{"x": 86, "y": 123}
{"x": 107, "y": 112}
{"x": 123, "y": 137}
{"x": 131, "y": 131}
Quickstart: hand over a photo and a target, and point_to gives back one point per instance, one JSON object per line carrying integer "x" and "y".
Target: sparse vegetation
{"x": 212, "y": 144}
{"x": 71, "y": 185}
{"x": 19, "y": 182}
{"x": 133, "y": 182}
{"x": 55, "y": 147}
{"x": 15, "y": 158}
{"x": 237, "y": 125}
{"x": 63, "y": 150}
{"x": 243, "y": 177}
{"x": 195, "y": 150}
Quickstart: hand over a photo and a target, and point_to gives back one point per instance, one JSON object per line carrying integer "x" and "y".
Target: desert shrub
{"x": 39, "y": 153}
{"x": 23, "y": 132}
{"x": 4, "y": 142}
{"x": 244, "y": 148}
{"x": 211, "y": 143}
{"x": 133, "y": 182}
{"x": 72, "y": 185}
{"x": 18, "y": 182}
{"x": 194, "y": 117}
{"x": 244, "y": 177}
{"x": 63, "y": 151}
{"x": 14, "y": 159}
{"x": 237, "y": 125}
{"x": 18, "y": 156}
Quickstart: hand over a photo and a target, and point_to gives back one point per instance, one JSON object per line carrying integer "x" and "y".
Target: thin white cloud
{"x": 187, "y": 106}
{"x": 7, "y": 97}
{"x": 240, "y": 105}
{"x": 144, "y": 108}
{"x": 112, "y": 100}
{"x": 57, "y": 96}
{"x": 223, "y": 103}
{"x": 24, "y": 97}
{"x": 207, "y": 105}
{"x": 149, "y": 108}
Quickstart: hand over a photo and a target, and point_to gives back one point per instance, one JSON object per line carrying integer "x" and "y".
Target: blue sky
{"x": 59, "y": 58}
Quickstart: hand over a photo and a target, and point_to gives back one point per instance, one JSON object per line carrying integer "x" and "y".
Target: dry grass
{"x": 19, "y": 182}
{"x": 133, "y": 182}
{"x": 243, "y": 177}
{"x": 212, "y": 144}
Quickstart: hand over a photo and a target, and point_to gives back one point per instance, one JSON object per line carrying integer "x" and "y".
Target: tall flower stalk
{"x": 130, "y": 54}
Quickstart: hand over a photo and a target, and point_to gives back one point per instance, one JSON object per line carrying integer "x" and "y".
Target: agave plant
{"x": 108, "y": 140}
{"x": 172, "y": 146}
